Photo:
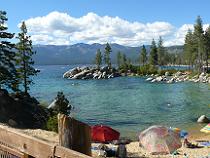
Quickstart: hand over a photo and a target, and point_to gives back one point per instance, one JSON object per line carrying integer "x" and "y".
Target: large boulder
{"x": 71, "y": 72}
{"x": 160, "y": 78}
{"x": 96, "y": 75}
{"x": 91, "y": 73}
{"x": 203, "y": 119}
{"x": 154, "y": 80}
{"x": 111, "y": 76}
{"x": 171, "y": 80}
{"x": 81, "y": 74}
{"x": 149, "y": 79}
{"x": 178, "y": 74}
{"x": 88, "y": 76}
{"x": 167, "y": 73}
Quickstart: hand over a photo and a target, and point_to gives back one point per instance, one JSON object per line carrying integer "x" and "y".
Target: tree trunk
{"x": 207, "y": 64}
{"x": 74, "y": 134}
{"x": 24, "y": 75}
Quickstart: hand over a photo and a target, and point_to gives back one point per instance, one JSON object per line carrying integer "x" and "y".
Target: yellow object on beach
{"x": 176, "y": 130}
{"x": 206, "y": 129}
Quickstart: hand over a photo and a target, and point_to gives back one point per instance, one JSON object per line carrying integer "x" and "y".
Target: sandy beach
{"x": 134, "y": 151}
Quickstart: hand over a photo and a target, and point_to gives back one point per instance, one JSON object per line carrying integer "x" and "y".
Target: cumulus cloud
{"x": 62, "y": 29}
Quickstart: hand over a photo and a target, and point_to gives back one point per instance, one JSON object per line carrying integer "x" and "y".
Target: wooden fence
{"x": 14, "y": 144}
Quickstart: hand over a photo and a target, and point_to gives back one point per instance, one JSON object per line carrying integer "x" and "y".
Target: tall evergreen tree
{"x": 7, "y": 56}
{"x": 199, "y": 37}
{"x": 107, "y": 58}
{"x": 143, "y": 56}
{"x": 119, "y": 59}
{"x": 190, "y": 49}
{"x": 207, "y": 46}
{"x": 124, "y": 62}
{"x": 153, "y": 59}
{"x": 98, "y": 58}
{"x": 24, "y": 58}
{"x": 161, "y": 52}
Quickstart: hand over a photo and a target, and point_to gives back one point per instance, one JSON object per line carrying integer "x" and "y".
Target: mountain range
{"x": 81, "y": 53}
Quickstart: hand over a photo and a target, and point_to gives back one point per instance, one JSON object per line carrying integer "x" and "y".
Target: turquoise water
{"x": 128, "y": 104}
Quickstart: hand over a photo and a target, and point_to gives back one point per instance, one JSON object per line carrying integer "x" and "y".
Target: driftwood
{"x": 74, "y": 134}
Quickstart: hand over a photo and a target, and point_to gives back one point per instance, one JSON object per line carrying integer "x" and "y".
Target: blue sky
{"x": 177, "y": 13}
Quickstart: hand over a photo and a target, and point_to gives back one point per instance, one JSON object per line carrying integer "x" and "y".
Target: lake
{"x": 128, "y": 104}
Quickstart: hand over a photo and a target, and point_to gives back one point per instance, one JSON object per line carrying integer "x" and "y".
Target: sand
{"x": 134, "y": 151}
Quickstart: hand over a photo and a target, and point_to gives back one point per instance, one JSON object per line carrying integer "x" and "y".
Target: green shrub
{"x": 61, "y": 106}
{"x": 52, "y": 123}
{"x": 147, "y": 70}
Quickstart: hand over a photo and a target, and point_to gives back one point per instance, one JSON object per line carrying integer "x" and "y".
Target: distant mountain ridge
{"x": 82, "y": 53}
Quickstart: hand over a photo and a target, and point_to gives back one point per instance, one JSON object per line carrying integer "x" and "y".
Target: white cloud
{"x": 61, "y": 29}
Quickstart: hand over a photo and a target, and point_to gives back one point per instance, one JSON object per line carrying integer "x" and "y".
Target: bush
{"x": 61, "y": 106}
{"x": 128, "y": 67}
{"x": 147, "y": 70}
{"x": 52, "y": 123}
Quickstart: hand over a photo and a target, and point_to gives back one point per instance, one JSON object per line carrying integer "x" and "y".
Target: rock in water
{"x": 166, "y": 73}
{"x": 71, "y": 72}
{"x": 158, "y": 79}
{"x": 154, "y": 80}
{"x": 81, "y": 74}
{"x": 149, "y": 79}
{"x": 203, "y": 119}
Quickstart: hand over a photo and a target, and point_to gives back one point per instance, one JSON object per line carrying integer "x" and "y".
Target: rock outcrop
{"x": 85, "y": 73}
{"x": 203, "y": 119}
{"x": 179, "y": 77}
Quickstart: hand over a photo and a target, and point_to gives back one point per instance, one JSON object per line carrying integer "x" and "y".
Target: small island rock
{"x": 203, "y": 119}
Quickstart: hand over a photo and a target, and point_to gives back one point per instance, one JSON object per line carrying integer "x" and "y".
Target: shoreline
{"x": 193, "y": 133}
{"x": 166, "y": 76}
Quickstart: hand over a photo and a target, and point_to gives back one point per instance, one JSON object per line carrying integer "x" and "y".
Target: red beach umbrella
{"x": 101, "y": 133}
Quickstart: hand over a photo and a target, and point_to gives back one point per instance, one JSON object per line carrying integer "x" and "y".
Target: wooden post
{"x": 74, "y": 134}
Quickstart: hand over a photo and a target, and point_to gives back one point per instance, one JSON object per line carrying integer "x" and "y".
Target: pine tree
{"x": 7, "y": 56}
{"x": 107, "y": 58}
{"x": 24, "y": 58}
{"x": 143, "y": 56}
{"x": 62, "y": 104}
{"x": 190, "y": 49}
{"x": 153, "y": 59}
{"x": 161, "y": 52}
{"x": 98, "y": 58}
{"x": 119, "y": 59}
{"x": 199, "y": 37}
{"x": 124, "y": 62}
{"x": 207, "y": 46}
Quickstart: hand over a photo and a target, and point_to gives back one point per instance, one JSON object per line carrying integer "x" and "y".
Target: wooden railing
{"x": 14, "y": 144}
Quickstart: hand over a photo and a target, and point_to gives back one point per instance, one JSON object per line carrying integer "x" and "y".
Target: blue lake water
{"x": 128, "y": 104}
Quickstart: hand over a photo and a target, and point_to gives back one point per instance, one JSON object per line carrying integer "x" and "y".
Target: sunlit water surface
{"x": 129, "y": 104}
